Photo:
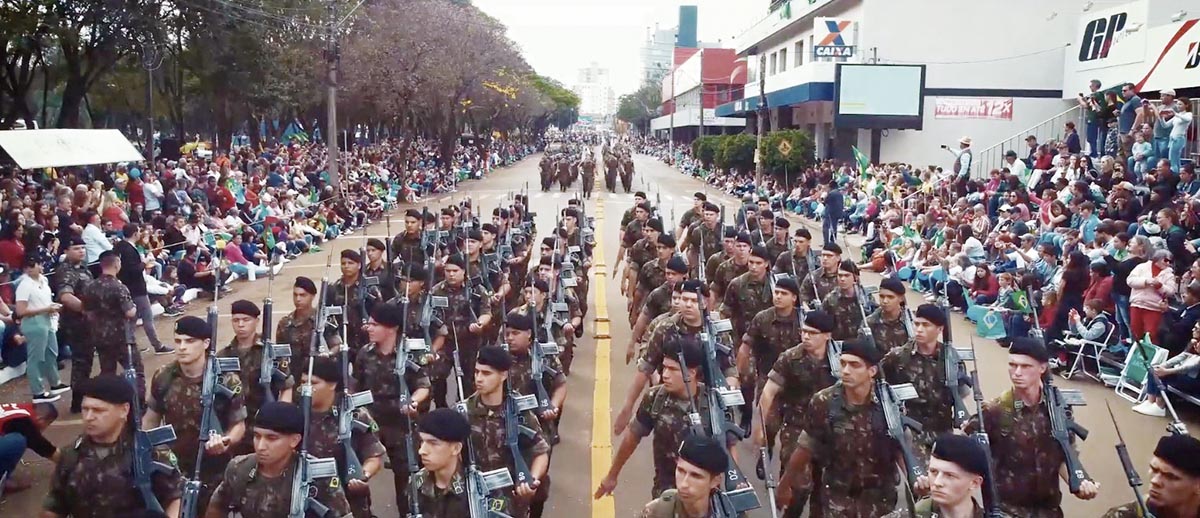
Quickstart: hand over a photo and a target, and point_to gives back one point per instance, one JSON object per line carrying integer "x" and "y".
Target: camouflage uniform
{"x": 856, "y": 457}
{"x": 889, "y": 334}
{"x": 489, "y": 443}
{"x": 253, "y": 394}
{"x": 658, "y": 301}
{"x": 712, "y": 245}
{"x": 565, "y": 341}
{"x": 244, "y": 491}
{"x": 927, "y": 509}
{"x": 726, "y": 273}
{"x": 406, "y": 247}
{"x": 297, "y": 331}
{"x": 743, "y": 299}
{"x": 667, "y": 505}
{"x": 73, "y": 279}
{"x": 450, "y": 502}
{"x": 690, "y": 216}
{"x": 933, "y": 406}
{"x": 105, "y": 302}
{"x": 1024, "y": 455}
{"x": 711, "y": 265}
{"x": 347, "y": 296}
{"x": 323, "y": 443}
{"x": 653, "y": 326}
{"x": 769, "y": 335}
{"x": 177, "y": 398}
{"x": 776, "y": 248}
{"x": 520, "y": 377}
{"x": 387, "y": 281}
{"x": 799, "y": 376}
{"x": 633, "y": 234}
{"x": 376, "y": 372}
{"x": 652, "y": 275}
{"x": 673, "y": 327}
{"x": 795, "y": 265}
{"x": 1129, "y": 510}
{"x": 92, "y": 480}
{"x": 666, "y": 416}
{"x": 826, "y": 284}
{"x": 847, "y": 316}
{"x": 465, "y": 308}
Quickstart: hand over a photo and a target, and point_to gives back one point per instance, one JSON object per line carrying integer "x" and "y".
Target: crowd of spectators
{"x": 1076, "y": 238}
{"x": 174, "y": 223}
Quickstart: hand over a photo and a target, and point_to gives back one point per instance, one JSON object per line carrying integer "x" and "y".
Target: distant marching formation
{"x": 858, "y": 392}
{"x": 295, "y": 420}
{"x": 566, "y": 162}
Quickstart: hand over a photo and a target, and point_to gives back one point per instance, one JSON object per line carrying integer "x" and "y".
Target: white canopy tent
{"x": 33, "y": 149}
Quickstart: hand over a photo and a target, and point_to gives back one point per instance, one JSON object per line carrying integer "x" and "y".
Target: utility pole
{"x": 331, "y": 56}
{"x": 700, "y": 133}
{"x": 762, "y": 120}
{"x": 674, "y": 108}
{"x": 151, "y": 59}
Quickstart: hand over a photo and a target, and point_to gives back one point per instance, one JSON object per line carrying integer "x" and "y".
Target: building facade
{"x": 594, "y": 88}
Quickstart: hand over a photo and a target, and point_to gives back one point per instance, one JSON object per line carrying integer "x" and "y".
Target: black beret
{"x": 306, "y": 284}
{"x": 413, "y": 213}
{"x": 490, "y": 228}
{"x": 690, "y": 348}
{"x": 547, "y": 260}
{"x": 548, "y": 242}
{"x": 848, "y": 266}
{"x": 644, "y": 206}
{"x": 729, "y": 232}
{"x": 789, "y": 284}
{"x": 280, "y": 416}
{"x": 244, "y": 307}
{"x": 961, "y": 450}
{"x": 1180, "y": 451}
{"x": 767, "y": 215}
{"x": 705, "y": 453}
{"x": 832, "y": 247}
{"x": 194, "y": 327}
{"x": 418, "y": 274}
{"x": 457, "y": 260}
{"x": 445, "y": 424}
{"x": 74, "y": 241}
{"x": 931, "y": 313}
{"x": 540, "y": 285}
{"x": 782, "y": 222}
{"x": 804, "y": 233}
{"x": 655, "y": 224}
{"x": 893, "y": 285}
{"x": 447, "y": 211}
{"x": 700, "y": 196}
{"x": 500, "y": 212}
{"x": 666, "y": 239}
{"x": 574, "y": 213}
{"x": 327, "y": 368}
{"x": 109, "y": 388}
{"x": 694, "y": 285}
{"x": 352, "y": 255}
{"x": 711, "y": 207}
{"x": 761, "y": 253}
{"x": 677, "y": 264}
{"x": 495, "y": 358}
{"x": 744, "y": 237}
{"x": 475, "y": 234}
{"x": 1031, "y": 347}
{"x": 819, "y": 320}
{"x": 519, "y": 321}
{"x": 639, "y": 194}
{"x": 388, "y": 314}
{"x": 860, "y": 348}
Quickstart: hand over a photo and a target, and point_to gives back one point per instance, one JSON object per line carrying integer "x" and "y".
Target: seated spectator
{"x": 1178, "y": 372}
{"x": 1178, "y": 323}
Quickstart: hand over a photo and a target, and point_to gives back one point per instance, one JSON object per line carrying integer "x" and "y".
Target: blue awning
{"x": 787, "y": 97}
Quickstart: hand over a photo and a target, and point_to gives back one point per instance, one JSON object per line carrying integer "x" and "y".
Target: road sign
{"x": 785, "y": 148}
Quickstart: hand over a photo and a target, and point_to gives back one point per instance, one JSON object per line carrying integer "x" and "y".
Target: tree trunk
{"x": 72, "y": 101}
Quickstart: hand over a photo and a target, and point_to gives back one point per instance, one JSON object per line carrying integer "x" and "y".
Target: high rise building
{"x": 594, "y": 88}
{"x": 657, "y": 54}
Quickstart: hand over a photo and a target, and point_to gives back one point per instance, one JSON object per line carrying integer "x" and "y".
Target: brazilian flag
{"x": 863, "y": 161}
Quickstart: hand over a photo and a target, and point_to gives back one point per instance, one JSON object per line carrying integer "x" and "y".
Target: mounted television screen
{"x": 879, "y": 96}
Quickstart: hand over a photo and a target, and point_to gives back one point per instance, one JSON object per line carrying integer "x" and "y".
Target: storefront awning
{"x": 34, "y": 149}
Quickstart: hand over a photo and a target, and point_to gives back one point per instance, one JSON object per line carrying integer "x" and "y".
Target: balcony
{"x": 780, "y": 16}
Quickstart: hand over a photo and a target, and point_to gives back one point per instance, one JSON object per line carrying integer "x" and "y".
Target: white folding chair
{"x": 1081, "y": 348}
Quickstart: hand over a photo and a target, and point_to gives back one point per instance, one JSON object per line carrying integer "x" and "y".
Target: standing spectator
{"x": 1162, "y": 124}
{"x": 152, "y": 189}
{"x": 133, "y": 267}
{"x": 834, "y": 211}
{"x": 1152, "y": 285}
{"x": 94, "y": 240}
{"x": 1072, "y": 138}
{"x": 1180, "y": 123}
{"x": 1127, "y": 117}
{"x": 1093, "y": 106}
{"x": 39, "y": 323}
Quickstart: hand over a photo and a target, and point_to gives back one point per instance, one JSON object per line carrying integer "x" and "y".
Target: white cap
{"x": 1168, "y": 91}
{"x": 965, "y": 140}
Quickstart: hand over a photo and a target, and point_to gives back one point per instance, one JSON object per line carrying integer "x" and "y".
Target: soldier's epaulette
{"x": 668, "y": 495}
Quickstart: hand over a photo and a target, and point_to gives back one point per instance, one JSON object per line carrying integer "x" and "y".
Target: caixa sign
{"x": 833, "y": 51}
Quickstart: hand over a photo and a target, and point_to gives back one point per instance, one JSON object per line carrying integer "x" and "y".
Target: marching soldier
{"x": 628, "y": 216}
{"x": 653, "y": 273}
{"x": 857, "y": 459}
{"x": 375, "y": 370}
{"x": 92, "y": 477}
{"x": 642, "y": 252}
{"x": 260, "y": 484}
{"x": 777, "y": 244}
{"x": 820, "y": 283}
{"x": 797, "y": 263}
{"x": 889, "y": 324}
{"x": 1174, "y": 480}
{"x": 175, "y": 399}
{"x": 549, "y": 271}
{"x": 707, "y": 232}
{"x": 732, "y": 267}
{"x": 658, "y": 302}
{"x": 246, "y": 346}
{"x": 323, "y": 438}
{"x": 441, "y": 483}
{"x": 108, "y": 306}
{"x": 748, "y": 293}
{"x": 957, "y": 467}
{"x": 296, "y": 328}
{"x": 632, "y": 233}
{"x": 728, "y": 248}
{"x": 843, "y": 303}
{"x": 468, "y": 314}
{"x": 70, "y": 282}
{"x": 922, "y": 362}
{"x": 345, "y": 292}
{"x": 798, "y": 374}
{"x": 1028, "y": 461}
{"x": 664, "y": 411}
{"x": 765, "y": 230}
{"x": 771, "y": 332}
{"x": 412, "y": 284}
{"x": 699, "y": 471}
{"x": 407, "y": 244}
{"x": 692, "y": 215}
{"x": 485, "y": 411}
{"x": 378, "y": 267}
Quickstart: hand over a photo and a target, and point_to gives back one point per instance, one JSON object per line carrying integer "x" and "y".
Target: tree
{"x": 640, "y": 106}
{"x": 736, "y": 152}
{"x": 705, "y": 149}
{"x": 799, "y": 158}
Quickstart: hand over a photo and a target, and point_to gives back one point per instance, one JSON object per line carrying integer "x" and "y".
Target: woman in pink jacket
{"x": 1151, "y": 284}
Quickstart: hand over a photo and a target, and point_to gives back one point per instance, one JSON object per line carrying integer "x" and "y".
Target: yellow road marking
{"x": 601, "y": 425}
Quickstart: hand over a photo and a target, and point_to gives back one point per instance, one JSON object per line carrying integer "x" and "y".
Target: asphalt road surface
{"x": 599, "y": 378}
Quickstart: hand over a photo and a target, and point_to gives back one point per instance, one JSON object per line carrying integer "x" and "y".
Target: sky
{"x": 558, "y": 37}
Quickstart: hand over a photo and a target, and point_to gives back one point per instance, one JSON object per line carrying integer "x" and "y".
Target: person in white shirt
{"x": 94, "y": 240}
{"x": 1177, "y": 141}
{"x": 39, "y": 325}
{"x": 1016, "y": 167}
{"x": 153, "y": 191}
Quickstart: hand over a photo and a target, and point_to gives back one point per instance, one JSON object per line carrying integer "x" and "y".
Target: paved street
{"x": 599, "y": 379}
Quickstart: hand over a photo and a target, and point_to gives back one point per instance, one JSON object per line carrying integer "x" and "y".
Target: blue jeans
{"x": 12, "y": 447}
{"x": 1162, "y": 147}
{"x": 243, "y": 270}
{"x": 1175, "y": 152}
{"x": 1095, "y": 133}
{"x": 1122, "y": 304}
{"x": 1180, "y": 382}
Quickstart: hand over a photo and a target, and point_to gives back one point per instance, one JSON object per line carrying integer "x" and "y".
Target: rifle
{"x": 309, "y": 468}
{"x": 347, "y": 424}
{"x": 270, "y": 372}
{"x": 144, "y": 442}
{"x": 722, "y": 401}
{"x": 1063, "y": 427}
{"x": 479, "y": 483}
{"x": 890, "y": 398}
{"x": 539, "y": 367}
{"x": 211, "y": 387}
{"x": 764, "y": 465}
{"x": 404, "y": 363}
{"x": 991, "y": 498}
{"x": 951, "y": 361}
{"x": 1131, "y": 473}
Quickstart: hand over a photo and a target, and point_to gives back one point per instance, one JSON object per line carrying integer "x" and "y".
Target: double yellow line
{"x": 601, "y": 422}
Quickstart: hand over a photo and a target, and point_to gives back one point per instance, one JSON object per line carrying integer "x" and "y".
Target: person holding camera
{"x": 1093, "y": 106}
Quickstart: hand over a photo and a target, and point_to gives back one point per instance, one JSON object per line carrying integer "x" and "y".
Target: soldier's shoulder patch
{"x": 334, "y": 483}
{"x": 172, "y": 458}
